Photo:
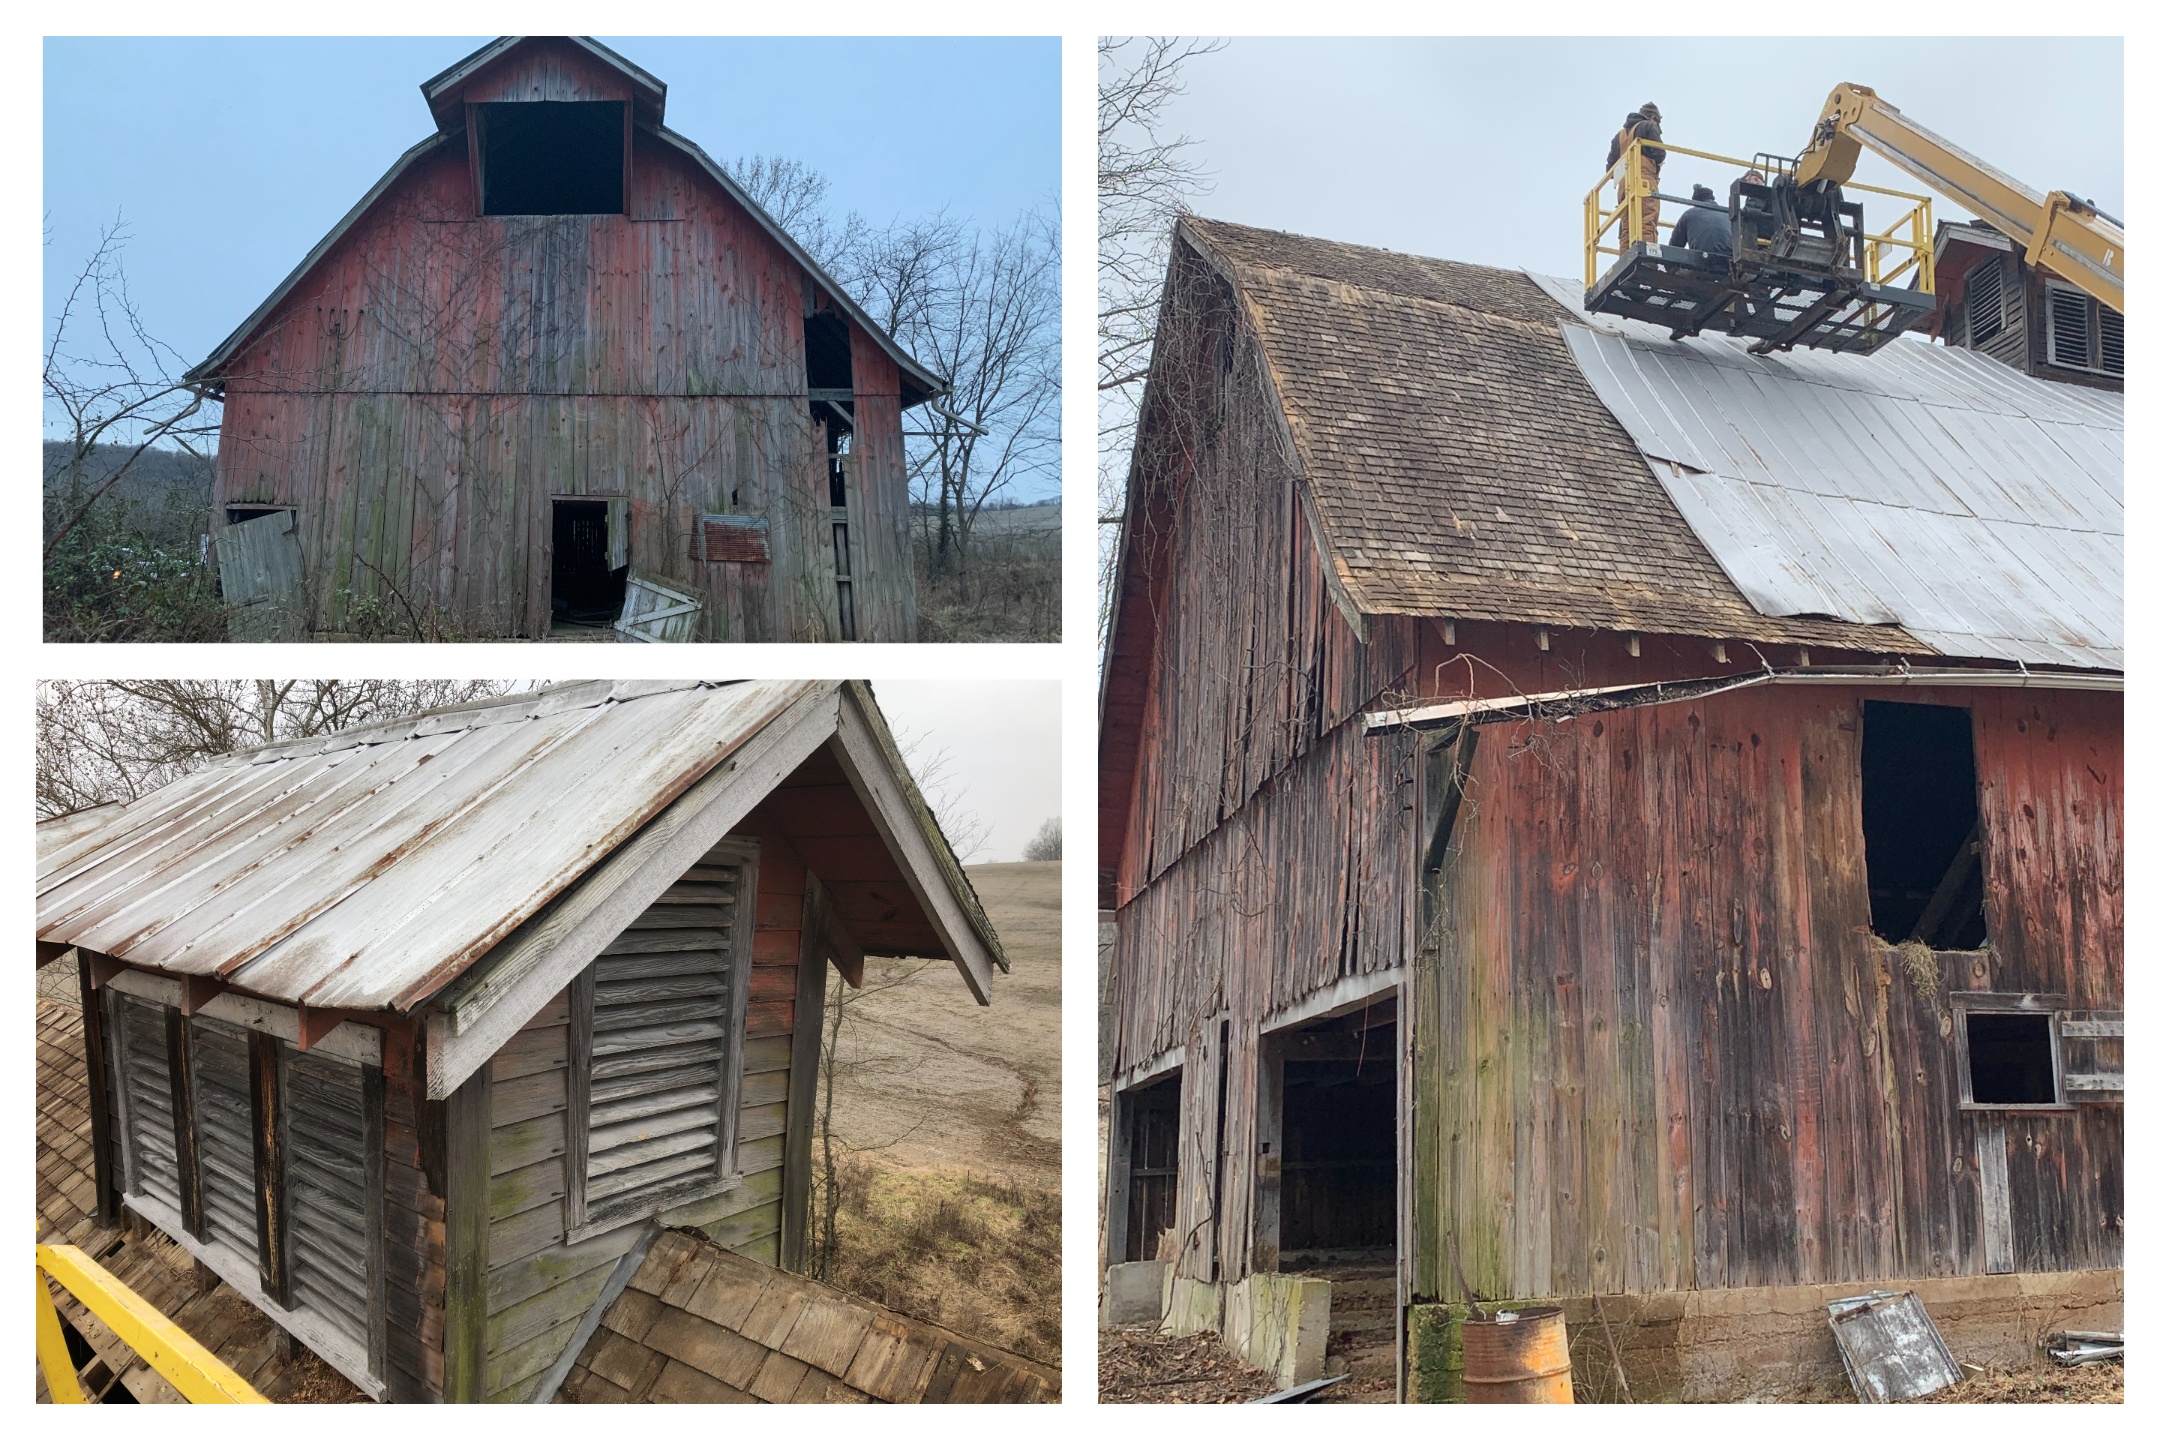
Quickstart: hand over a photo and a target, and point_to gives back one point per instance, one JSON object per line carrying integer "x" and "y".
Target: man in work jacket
{"x": 1643, "y": 125}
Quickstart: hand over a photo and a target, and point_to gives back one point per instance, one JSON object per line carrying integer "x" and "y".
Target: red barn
{"x": 554, "y": 354}
{"x": 1635, "y": 819}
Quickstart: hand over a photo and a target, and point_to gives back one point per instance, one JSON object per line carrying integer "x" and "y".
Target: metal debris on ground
{"x": 1891, "y": 1349}
{"x": 1300, "y": 1394}
{"x": 2083, "y": 1347}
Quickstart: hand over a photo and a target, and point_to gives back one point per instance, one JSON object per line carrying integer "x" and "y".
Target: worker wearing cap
{"x": 1704, "y": 227}
{"x": 1640, "y": 125}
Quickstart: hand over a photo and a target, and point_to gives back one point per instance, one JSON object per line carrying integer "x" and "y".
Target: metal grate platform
{"x": 1776, "y": 307}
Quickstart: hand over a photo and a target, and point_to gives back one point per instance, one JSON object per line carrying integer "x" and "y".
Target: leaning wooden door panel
{"x": 259, "y": 571}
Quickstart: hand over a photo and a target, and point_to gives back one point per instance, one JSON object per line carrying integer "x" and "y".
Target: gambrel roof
{"x": 1473, "y": 446}
{"x": 918, "y": 382}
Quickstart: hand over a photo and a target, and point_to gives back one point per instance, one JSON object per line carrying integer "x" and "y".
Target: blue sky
{"x": 231, "y": 157}
{"x": 1482, "y": 150}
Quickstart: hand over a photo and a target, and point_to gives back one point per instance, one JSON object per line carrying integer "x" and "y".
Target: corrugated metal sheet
{"x": 1925, "y": 486}
{"x": 343, "y": 871}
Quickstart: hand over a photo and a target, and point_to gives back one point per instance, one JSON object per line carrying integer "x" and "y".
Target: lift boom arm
{"x": 2059, "y": 231}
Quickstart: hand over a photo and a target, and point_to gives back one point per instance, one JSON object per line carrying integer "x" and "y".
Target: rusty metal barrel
{"x": 1517, "y": 1357}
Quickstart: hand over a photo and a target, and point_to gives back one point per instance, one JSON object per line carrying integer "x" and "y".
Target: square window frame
{"x": 2008, "y": 1002}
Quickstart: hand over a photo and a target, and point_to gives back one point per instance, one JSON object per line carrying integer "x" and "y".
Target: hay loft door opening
{"x": 1920, "y": 814}
{"x": 829, "y": 374}
{"x": 550, "y": 157}
{"x": 1151, "y": 1136}
{"x": 590, "y": 565}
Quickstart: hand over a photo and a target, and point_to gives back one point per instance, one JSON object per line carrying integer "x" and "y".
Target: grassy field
{"x": 1011, "y": 588}
{"x": 946, "y": 1131}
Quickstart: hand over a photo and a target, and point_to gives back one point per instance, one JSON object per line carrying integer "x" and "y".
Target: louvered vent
{"x": 224, "y": 1132}
{"x": 2069, "y": 329}
{"x": 326, "y": 1189}
{"x": 2111, "y": 340}
{"x": 666, "y": 1002}
{"x": 1984, "y": 302}
{"x": 153, "y": 1168}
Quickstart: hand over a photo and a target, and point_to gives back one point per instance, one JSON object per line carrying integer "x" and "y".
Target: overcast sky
{"x": 1482, "y": 150}
{"x": 1001, "y": 740}
{"x": 232, "y": 157}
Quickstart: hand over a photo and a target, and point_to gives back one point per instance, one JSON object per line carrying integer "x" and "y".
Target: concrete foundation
{"x": 1133, "y": 1293}
{"x": 1278, "y": 1323}
{"x": 1191, "y": 1307}
{"x": 1772, "y": 1343}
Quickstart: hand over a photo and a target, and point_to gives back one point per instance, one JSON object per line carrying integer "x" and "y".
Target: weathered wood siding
{"x": 414, "y": 1249}
{"x": 441, "y": 375}
{"x": 1656, "y": 1047}
{"x": 1244, "y": 661}
{"x": 539, "y": 1283}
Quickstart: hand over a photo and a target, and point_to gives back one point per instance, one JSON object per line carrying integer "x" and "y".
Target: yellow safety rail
{"x": 163, "y": 1346}
{"x": 1907, "y": 243}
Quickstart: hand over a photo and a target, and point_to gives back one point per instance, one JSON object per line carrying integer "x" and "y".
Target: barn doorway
{"x": 1920, "y": 818}
{"x": 1338, "y": 1140}
{"x": 1151, "y": 1147}
{"x": 591, "y": 568}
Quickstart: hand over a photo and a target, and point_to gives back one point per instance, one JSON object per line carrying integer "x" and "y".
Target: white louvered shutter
{"x": 224, "y": 1132}
{"x": 144, "y": 1057}
{"x": 326, "y": 1172}
{"x": 661, "y": 1015}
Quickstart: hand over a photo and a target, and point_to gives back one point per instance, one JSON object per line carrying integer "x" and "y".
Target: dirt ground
{"x": 2044, "y": 1384}
{"x": 1139, "y": 1365}
{"x": 946, "y": 1122}
{"x": 929, "y": 1078}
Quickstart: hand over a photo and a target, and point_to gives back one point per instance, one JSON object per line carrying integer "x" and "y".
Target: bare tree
{"x": 932, "y": 766}
{"x": 1049, "y": 842}
{"x": 109, "y": 382}
{"x": 983, "y": 310}
{"x": 797, "y": 199}
{"x": 101, "y": 741}
{"x": 1144, "y": 178}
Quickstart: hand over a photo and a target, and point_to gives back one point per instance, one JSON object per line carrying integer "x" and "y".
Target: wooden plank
{"x": 376, "y": 1241}
{"x": 99, "y": 1066}
{"x": 2000, "y": 1237}
{"x": 265, "y": 1081}
{"x": 804, "y": 1067}
{"x": 467, "y": 1137}
{"x": 181, "y": 1078}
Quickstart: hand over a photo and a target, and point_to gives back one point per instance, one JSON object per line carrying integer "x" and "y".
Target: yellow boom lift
{"x": 1805, "y": 268}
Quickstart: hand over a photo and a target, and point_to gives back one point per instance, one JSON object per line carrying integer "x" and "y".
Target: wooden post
{"x": 804, "y": 1058}
{"x": 266, "y": 1086}
{"x": 180, "y": 1077}
{"x": 371, "y": 1197}
{"x": 1117, "y": 1187}
{"x": 102, "y": 1158}
{"x": 465, "y": 1226}
{"x": 1267, "y": 1157}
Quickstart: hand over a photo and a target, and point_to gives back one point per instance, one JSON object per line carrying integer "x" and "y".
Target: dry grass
{"x": 1011, "y": 589}
{"x": 967, "y": 1251}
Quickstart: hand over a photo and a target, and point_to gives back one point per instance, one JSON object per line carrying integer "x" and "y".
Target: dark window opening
{"x": 1338, "y": 1139}
{"x": 551, "y": 157}
{"x": 1151, "y": 1185}
{"x": 241, "y": 514}
{"x": 1920, "y": 815}
{"x": 585, "y": 590}
{"x": 2011, "y": 1058}
{"x": 826, "y": 353}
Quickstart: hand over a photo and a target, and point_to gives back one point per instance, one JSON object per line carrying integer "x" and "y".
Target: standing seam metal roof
{"x": 1924, "y": 486}
{"x": 365, "y": 869}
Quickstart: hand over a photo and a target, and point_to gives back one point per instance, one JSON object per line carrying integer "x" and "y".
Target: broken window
{"x": 1920, "y": 814}
{"x": 1151, "y": 1131}
{"x": 829, "y": 374}
{"x": 551, "y": 157}
{"x": 591, "y": 565}
{"x": 241, "y": 514}
{"x": 2010, "y": 1057}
